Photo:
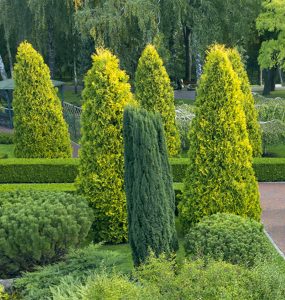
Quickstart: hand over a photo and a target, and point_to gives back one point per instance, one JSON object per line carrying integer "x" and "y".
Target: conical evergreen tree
{"x": 220, "y": 177}
{"x": 253, "y": 127}
{"x": 155, "y": 94}
{"x": 101, "y": 170}
{"x": 40, "y": 129}
{"x": 150, "y": 195}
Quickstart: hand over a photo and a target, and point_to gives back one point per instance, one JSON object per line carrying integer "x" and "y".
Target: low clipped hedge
{"x": 266, "y": 169}
{"x": 38, "y": 170}
{"x": 65, "y": 170}
{"x": 52, "y": 187}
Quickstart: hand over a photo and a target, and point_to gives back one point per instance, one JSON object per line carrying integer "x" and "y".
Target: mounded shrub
{"x": 230, "y": 238}
{"x": 40, "y": 129}
{"x": 37, "y": 228}
{"x": 253, "y": 127}
{"x": 101, "y": 170}
{"x": 220, "y": 177}
{"x": 155, "y": 94}
{"x": 149, "y": 186}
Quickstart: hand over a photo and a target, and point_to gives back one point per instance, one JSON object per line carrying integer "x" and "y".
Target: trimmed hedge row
{"x": 65, "y": 170}
{"x": 51, "y": 187}
{"x": 38, "y": 170}
{"x": 266, "y": 169}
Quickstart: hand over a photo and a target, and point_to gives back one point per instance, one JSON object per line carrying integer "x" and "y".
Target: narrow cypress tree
{"x": 150, "y": 195}
{"x": 220, "y": 177}
{"x": 40, "y": 129}
{"x": 155, "y": 94}
{"x": 101, "y": 170}
{"x": 253, "y": 127}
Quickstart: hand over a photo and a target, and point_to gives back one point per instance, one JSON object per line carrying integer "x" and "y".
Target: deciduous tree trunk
{"x": 188, "y": 54}
{"x": 51, "y": 49}
{"x": 2, "y": 69}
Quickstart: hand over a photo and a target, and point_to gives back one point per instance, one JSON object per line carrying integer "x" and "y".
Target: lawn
{"x": 275, "y": 94}
{"x": 7, "y": 149}
{"x": 72, "y": 98}
{"x": 276, "y": 150}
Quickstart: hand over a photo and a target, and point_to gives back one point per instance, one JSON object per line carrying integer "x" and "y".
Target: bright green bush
{"x": 161, "y": 279}
{"x": 149, "y": 186}
{"x": 6, "y": 138}
{"x": 230, "y": 238}
{"x": 76, "y": 266}
{"x": 155, "y": 94}
{"x": 40, "y": 130}
{"x": 51, "y": 187}
{"x": 253, "y": 127}
{"x": 37, "y": 228}
{"x": 220, "y": 177}
{"x": 101, "y": 170}
{"x": 38, "y": 170}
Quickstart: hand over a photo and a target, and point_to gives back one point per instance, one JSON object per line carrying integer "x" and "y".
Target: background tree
{"x": 40, "y": 130}
{"x": 101, "y": 170}
{"x": 150, "y": 195}
{"x": 270, "y": 25}
{"x": 154, "y": 92}
{"x": 253, "y": 127}
{"x": 220, "y": 177}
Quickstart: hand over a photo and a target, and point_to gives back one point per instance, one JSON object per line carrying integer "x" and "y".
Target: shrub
{"x": 155, "y": 94}
{"x": 76, "y": 266}
{"x": 149, "y": 186}
{"x": 101, "y": 170}
{"x": 220, "y": 177}
{"x": 40, "y": 130}
{"x": 252, "y": 125}
{"x": 38, "y": 170}
{"x": 230, "y": 238}
{"x": 6, "y": 138}
{"x": 37, "y": 228}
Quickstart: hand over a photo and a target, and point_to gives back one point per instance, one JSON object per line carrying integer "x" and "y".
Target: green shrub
{"x": 266, "y": 169}
{"x": 76, "y": 266}
{"x": 51, "y": 187}
{"x": 230, "y": 238}
{"x": 6, "y": 138}
{"x": 155, "y": 94}
{"x": 38, "y": 170}
{"x": 252, "y": 125}
{"x": 220, "y": 177}
{"x": 149, "y": 186}
{"x": 161, "y": 279}
{"x": 39, "y": 127}
{"x": 101, "y": 170}
{"x": 3, "y": 295}
{"x": 37, "y": 228}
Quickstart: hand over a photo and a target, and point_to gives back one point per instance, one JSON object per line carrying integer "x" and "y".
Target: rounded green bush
{"x": 230, "y": 238}
{"x": 37, "y": 228}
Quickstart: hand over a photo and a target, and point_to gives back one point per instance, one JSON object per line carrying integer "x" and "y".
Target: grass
{"x": 8, "y": 150}
{"x": 51, "y": 187}
{"x": 72, "y": 98}
{"x": 275, "y": 94}
{"x": 184, "y": 101}
{"x": 276, "y": 150}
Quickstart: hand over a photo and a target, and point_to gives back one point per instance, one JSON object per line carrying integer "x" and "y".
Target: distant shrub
{"x": 37, "y": 228}
{"x": 230, "y": 238}
{"x": 75, "y": 267}
{"x": 6, "y": 138}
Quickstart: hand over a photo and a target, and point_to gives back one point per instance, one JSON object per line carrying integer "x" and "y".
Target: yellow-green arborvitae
{"x": 220, "y": 177}
{"x": 253, "y": 127}
{"x": 101, "y": 170}
{"x": 40, "y": 129}
{"x": 155, "y": 94}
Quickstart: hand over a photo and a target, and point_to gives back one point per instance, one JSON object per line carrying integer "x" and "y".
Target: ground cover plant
{"x": 37, "y": 228}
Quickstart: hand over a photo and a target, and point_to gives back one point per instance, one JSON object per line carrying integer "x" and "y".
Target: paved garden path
{"x": 273, "y": 214}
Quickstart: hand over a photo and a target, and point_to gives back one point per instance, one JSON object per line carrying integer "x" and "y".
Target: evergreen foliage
{"x": 40, "y": 129}
{"x": 231, "y": 238}
{"x": 150, "y": 195}
{"x": 155, "y": 94}
{"x": 253, "y": 127}
{"x": 37, "y": 228}
{"x": 101, "y": 170}
{"x": 220, "y": 177}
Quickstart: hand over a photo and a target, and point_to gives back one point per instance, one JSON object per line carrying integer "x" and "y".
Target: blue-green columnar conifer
{"x": 220, "y": 177}
{"x": 148, "y": 181}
